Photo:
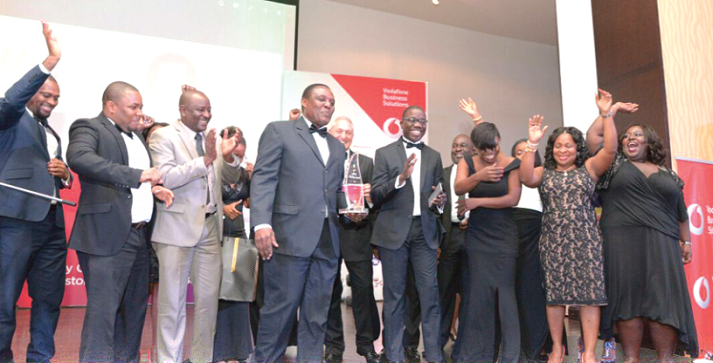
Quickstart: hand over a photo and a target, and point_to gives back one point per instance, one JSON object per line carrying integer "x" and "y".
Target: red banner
{"x": 699, "y": 273}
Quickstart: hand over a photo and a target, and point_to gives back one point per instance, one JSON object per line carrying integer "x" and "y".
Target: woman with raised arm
{"x": 646, "y": 243}
{"x": 492, "y": 182}
{"x": 571, "y": 243}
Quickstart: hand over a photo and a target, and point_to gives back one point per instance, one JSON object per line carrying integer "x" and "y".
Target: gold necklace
{"x": 568, "y": 169}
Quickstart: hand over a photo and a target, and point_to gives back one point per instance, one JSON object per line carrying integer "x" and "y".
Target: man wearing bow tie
{"x": 33, "y": 244}
{"x": 110, "y": 233}
{"x": 297, "y": 179}
{"x": 408, "y": 229}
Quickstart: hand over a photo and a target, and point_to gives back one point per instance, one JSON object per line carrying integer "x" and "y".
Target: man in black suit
{"x": 357, "y": 253}
{"x": 451, "y": 261}
{"x": 33, "y": 244}
{"x": 408, "y": 229}
{"x": 295, "y": 186}
{"x": 110, "y": 231}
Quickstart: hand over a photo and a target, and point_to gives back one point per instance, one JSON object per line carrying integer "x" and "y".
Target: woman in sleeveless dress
{"x": 646, "y": 243}
{"x": 492, "y": 181}
{"x": 571, "y": 243}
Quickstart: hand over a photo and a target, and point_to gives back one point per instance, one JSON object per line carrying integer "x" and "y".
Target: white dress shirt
{"x": 142, "y": 205}
{"x": 415, "y": 176}
{"x": 454, "y": 197}
{"x": 323, "y": 147}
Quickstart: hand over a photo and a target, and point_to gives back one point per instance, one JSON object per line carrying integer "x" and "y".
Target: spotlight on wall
{"x": 436, "y": 2}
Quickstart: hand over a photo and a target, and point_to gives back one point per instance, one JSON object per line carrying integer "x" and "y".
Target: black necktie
{"x": 413, "y": 144}
{"x": 199, "y": 150}
{"x": 199, "y": 144}
{"x": 322, "y": 130}
{"x": 129, "y": 134}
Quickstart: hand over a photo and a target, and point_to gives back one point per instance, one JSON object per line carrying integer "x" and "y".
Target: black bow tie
{"x": 322, "y": 130}
{"x": 42, "y": 121}
{"x": 413, "y": 144}
{"x": 129, "y": 134}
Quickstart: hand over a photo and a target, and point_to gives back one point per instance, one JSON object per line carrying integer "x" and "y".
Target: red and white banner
{"x": 697, "y": 175}
{"x": 374, "y": 105}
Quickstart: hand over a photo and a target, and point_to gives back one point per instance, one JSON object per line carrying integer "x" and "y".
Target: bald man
{"x": 110, "y": 231}
{"x": 194, "y": 161}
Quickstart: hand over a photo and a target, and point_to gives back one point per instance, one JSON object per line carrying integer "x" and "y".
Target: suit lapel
{"x": 188, "y": 142}
{"x": 425, "y": 160}
{"x": 43, "y": 137}
{"x": 117, "y": 137}
{"x": 447, "y": 179}
{"x": 303, "y": 131}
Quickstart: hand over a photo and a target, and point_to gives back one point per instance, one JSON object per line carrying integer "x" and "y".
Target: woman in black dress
{"x": 491, "y": 178}
{"x": 646, "y": 243}
{"x": 233, "y": 338}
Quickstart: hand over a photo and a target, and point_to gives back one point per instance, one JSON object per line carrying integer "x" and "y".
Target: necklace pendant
{"x": 565, "y": 173}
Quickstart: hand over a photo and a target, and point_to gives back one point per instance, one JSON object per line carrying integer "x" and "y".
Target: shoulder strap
{"x": 469, "y": 160}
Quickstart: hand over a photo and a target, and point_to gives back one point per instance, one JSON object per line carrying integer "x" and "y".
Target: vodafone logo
{"x": 702, "y": 282}
{"x": 392, "y": 128}
{"x": 697, "y": 230}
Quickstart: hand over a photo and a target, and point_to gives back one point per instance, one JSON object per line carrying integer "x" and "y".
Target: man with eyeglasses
{"x": 408, "y": 228}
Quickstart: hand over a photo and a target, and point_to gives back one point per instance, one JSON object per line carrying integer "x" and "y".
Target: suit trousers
{"x": 36, "y": 252}
{"x": 117, "y": 294}
{"x": 297, "y": 282}
{"x": 202, "y": 263}
{"x": 366, "y": 313}
{"x": 450, "y": 277}
{"x": 395, "y": 266}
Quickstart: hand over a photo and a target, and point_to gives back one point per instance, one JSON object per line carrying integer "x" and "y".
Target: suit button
{"x": 128, "y": 197}
{"x": 325, "y": 190}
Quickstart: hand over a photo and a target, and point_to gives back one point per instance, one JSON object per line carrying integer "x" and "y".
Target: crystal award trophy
{"x": 353, "y": 187}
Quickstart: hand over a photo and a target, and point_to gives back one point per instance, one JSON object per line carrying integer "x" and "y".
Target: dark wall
{"x": 629, "y": 62}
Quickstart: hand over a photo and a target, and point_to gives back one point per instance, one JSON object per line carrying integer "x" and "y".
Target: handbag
{"x": 239, "y": 278}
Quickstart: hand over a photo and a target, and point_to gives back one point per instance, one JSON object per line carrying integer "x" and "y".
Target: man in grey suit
{"x": 408, "y": 229}
{"x": 187, "y": 236}
{"x": 295, "y": 186}
{"x": 357, "y": 254}
{"x": 110, "y": 230}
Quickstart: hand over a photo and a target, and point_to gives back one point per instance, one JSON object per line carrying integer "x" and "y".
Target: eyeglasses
{"x": 413, "y": 120}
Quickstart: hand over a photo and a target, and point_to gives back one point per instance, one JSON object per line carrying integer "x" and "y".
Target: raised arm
{"x": 12, "y": 106}
{"x": 468, "y": 106}
{"x": 595, "y": 133}
{"x": 530, "y": 175}
{"x": 599, "y": 163}
{"x": 175, "y": 174}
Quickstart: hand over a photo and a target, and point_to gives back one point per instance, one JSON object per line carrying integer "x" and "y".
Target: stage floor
{"x": 70, "y": 327}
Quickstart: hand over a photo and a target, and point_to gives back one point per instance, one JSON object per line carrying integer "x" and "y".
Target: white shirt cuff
{"x": 397, "y": 183}
{"x": 43, "y": 69}
{"x": 262, "y": 226}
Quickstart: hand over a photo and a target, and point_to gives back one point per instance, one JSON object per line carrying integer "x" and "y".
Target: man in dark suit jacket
{"x": 452, "y": 257}
{"x": 407, "y": 229}
{"x": 33, "y": 244}
{"x": 295, "y": 186}
{"x": 110, "y": 231}
{"x": 354, "y": 240}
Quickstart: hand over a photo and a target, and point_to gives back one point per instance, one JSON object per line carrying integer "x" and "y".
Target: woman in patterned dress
{"x": 571, "y": 243}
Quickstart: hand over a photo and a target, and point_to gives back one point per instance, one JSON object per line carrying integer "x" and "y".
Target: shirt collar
{"x": 309, "y": 123}
{"x": 189, "y": 131}
{"x": 411, "y": 142}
